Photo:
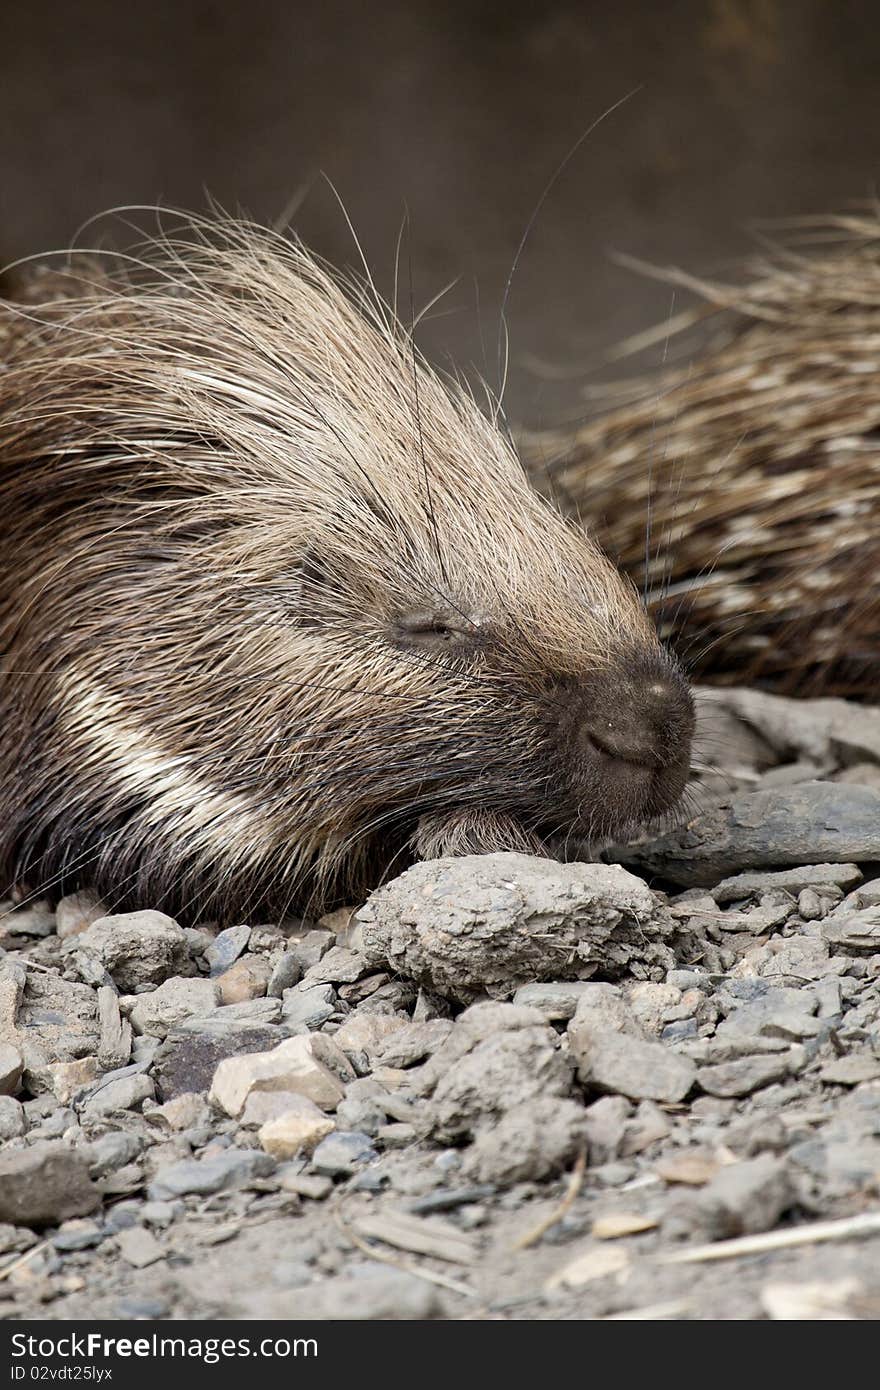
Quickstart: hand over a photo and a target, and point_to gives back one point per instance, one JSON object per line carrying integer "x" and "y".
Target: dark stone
{"x": 188, "y": 1058}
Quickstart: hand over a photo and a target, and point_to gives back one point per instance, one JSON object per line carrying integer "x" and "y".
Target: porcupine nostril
{"x": 622, "y": 743}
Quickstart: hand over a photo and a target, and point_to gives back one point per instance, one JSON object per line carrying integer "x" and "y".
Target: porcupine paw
{"x": 473, "y": 832}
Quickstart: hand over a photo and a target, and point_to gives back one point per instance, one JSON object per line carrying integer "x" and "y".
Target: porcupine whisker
{"x": 693, "y": 586}
{"x": 545, "y": 193}
{"x": 377, "y": 298}
{"x": 650, "y": 497}
{"x": 707, "y": 569}
{"x": 46, "y": 885}
{"x": 703, "y": 652}
{"x": 420, "y": 441}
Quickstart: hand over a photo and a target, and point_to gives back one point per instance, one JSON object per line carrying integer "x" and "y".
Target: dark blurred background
{"x": 748, "y": 109}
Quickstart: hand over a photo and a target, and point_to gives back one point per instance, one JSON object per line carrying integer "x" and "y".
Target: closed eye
{"x": 435, "y": 630}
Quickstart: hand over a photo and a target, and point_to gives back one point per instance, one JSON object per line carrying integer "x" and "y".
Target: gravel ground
{"x": 504, "y": 1088}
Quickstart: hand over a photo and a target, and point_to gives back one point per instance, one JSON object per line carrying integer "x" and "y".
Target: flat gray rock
{"x": 342, "y": 1153}
{"x": 628, "y": 1066}
{"x": 235, "y": 1168}
{"x": 813, "y": 822}
{"x": 741, "y": 1077}
{"x": 226, "y": 948}
{"x": 752, "y": 885}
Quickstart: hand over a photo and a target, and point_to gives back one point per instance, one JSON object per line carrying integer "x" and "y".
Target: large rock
{"x": 489, "y": 923}
{"x": 44, "y": 1185}
{"x": 627, "y": 1066}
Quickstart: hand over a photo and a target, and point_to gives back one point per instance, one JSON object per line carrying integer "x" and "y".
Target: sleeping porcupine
{"x": 760, "y": 460}
{"x": 279, "y": 609}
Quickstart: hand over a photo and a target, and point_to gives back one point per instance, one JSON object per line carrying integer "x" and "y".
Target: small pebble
{"x": 226, "y": 947}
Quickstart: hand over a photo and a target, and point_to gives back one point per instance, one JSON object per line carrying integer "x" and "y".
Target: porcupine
{"x": 278, "y": 607}
{"x": 759, "y": 458}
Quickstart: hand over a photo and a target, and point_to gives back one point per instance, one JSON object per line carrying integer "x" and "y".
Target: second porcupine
{"x": 758, "y": 461}
{"x": 279, "y": 609}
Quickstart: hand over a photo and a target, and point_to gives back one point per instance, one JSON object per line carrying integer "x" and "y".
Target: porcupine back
{"x": 278, "y": 606}
{"x": 760, "y": 455}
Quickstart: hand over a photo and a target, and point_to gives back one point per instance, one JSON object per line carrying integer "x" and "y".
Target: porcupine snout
{"x": 630, "y": 730}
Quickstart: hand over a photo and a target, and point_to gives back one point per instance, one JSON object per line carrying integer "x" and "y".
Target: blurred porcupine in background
{"x": 279, "y": 608}
{"x": 755, "y": 463}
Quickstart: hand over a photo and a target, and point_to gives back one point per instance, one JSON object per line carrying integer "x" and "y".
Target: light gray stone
{"x": 741, "y": 1077}
{"x": 306, "y": 1007}
{"x": 176, "y": 999}
{"x": 338, "y": 965}
{"x": 287, "y": 972}
{"x": 111, "y": 1151}
{"x": 533, "y": 1141}
{"x": 413, "y": 1043}
{"x": 136, "y": 948}
{"x": 139, "y": 1247}
{"x": 625, "y": 1065}
{"x": 12, "y": 1118}
{"x": 747, "y": 1197}
{"x": 494, "y": 1076}
{"x": 794, "y": 881}
{"x": 342, "y": 1153}
{"x": 555, "y": 1000}
{"x": 123, "y": 1090}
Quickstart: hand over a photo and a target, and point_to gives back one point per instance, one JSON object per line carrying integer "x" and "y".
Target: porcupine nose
{"x": 637, "y": 737}
{"x": 633, "y": 731}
